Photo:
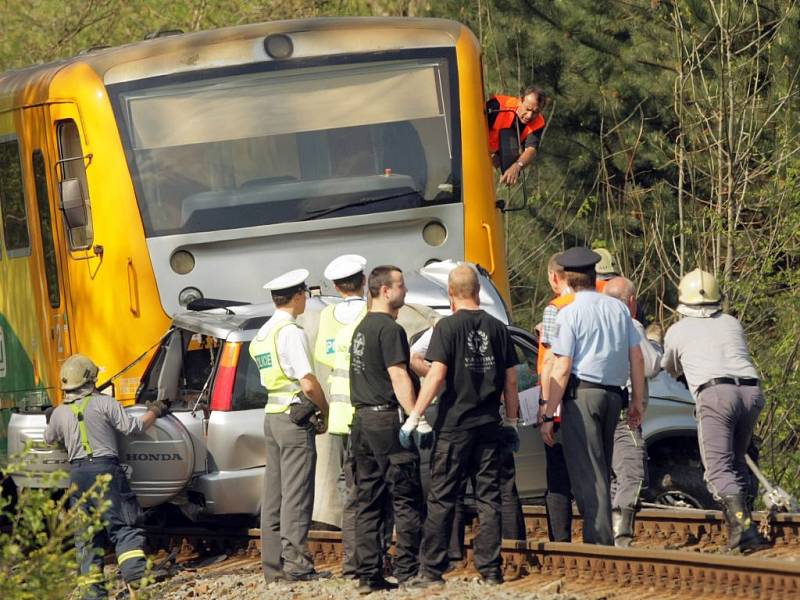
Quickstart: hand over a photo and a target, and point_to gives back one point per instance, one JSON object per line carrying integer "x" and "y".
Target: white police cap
{"x": 345, "y": 266}
{"x": 287, "y": 281}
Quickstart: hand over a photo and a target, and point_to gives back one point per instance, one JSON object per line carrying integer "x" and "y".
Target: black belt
{"x": 574, "y": 384}
{"x": 591, "y": 385}
{"x": 748, "y": 381}
{"x": 378, "y": 408}
{"x": 94, "y": 459}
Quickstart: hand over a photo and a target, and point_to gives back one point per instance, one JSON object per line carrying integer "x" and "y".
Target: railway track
{"x": 682, "y": 527}
{"x": 644, "y": 571}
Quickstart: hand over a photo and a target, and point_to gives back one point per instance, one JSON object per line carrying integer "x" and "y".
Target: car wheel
{"x": 679, "y": 484}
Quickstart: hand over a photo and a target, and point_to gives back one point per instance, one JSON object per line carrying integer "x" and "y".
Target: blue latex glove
{"x": 406, "y": 439}
{"x": 424, "y": 434}
{"x": 405, "y": 435}
{"x": 509, "y": 437}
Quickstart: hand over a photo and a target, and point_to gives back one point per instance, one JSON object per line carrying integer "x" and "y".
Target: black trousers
{"x": 384, "y": 468}
{"x": 559, "y": 494}
{"x": 512, "y": 519}
{"x": 458, "y": 456}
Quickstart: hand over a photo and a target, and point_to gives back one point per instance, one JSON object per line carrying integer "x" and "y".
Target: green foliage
{"x": 37, "y": 551}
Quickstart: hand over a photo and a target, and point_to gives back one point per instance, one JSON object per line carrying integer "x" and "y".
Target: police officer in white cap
{"x": 332, "y": 349}
{"x": 709, "y": 347}
{"x": 295, "y": 402}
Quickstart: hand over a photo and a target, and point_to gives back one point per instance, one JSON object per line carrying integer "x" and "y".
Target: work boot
{"x": 559, "y": 517}
{"x": 622, "y": 524}
{"x": 742, "y": 532}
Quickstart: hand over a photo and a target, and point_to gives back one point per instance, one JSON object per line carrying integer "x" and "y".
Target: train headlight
{"x": 182, "y": 262}
{"x": 278, "y": 45}
{"x": 189, "y": 294}
{"x": 434, "y": 233}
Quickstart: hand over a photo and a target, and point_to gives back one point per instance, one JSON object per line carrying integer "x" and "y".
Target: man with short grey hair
{"x": 629, "y": 458}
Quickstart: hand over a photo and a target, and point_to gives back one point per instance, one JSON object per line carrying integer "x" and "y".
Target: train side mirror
{"x": 509, "y": 148}
{"x": 73, "y": 203}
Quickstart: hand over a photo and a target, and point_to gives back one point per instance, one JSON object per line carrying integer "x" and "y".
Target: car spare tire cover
{"x": 158, "y": 462}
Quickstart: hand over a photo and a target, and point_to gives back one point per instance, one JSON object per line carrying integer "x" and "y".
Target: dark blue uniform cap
{"x": 578, "y": 259}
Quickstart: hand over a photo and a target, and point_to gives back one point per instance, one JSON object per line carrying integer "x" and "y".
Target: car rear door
{"x": 236, "y": 424}
{"x": 530, "y": 460}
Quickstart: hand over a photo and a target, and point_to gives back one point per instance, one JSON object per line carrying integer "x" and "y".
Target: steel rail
{"x": 670, "y": 572}
{"x": 683, "y": 526}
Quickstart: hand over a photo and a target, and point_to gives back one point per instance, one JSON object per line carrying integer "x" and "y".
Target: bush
{"x": 38, "y": 558}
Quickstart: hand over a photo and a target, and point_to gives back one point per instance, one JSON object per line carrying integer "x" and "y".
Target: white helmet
{"x": 77, "y": 370}
{"x": 608, "y": 264}
{"x": 698, "y": 287}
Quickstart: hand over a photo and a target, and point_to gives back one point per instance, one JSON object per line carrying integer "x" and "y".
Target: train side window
{"x": 72, "y": 167}
{"x": 46, "y": 228}
{"x": 12, "y": 200}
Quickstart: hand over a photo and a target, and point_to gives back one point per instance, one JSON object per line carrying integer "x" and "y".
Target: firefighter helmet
{"x": 77, "y": 370}
{"x": 698, "y": 287}
{"x": 608, "y": 263}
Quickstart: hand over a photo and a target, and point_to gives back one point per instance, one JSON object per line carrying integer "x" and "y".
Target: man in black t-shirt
{"x": 381, "y": 386}
{"x": 472, "y": 354}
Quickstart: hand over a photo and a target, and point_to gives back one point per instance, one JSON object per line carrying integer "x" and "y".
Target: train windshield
{"x": 273, "y": 146}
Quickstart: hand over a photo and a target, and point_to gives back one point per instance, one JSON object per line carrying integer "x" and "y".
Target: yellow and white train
{"x": 136, "y": 179}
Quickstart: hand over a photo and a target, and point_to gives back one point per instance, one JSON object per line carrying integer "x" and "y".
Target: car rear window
{"x": 248, "y": 393}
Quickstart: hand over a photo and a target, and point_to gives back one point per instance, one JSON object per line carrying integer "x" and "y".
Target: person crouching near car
{"x": 86, "y": 423}
{"x": 473, "y": 358}
{"x": 382, "y": 390}
{"x": 296, "y": 411}
{"x": 709, "y": 347}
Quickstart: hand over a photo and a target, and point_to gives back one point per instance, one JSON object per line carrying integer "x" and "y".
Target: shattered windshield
{"x": 272, "y": 146}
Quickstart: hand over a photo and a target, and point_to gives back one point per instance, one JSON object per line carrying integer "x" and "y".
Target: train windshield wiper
{"x": 322, "y": 212}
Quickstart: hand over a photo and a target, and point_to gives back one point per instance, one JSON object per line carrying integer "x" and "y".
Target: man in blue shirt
{"x": 596, "y": 348}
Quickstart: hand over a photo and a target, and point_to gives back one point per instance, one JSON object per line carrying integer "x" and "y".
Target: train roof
{"x": 185, "y": 51}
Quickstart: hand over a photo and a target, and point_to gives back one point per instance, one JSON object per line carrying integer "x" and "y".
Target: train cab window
{"x": 12, "y": 200}
{"x": 46, "y": 228}
{"x": 73, "y": 166}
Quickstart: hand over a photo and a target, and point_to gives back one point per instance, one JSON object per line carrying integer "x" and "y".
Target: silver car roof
{"x": 240, "y": 323}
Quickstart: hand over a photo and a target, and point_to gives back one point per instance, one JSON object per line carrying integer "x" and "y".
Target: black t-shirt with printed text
{"x": 378, "y": 343}
{"x": 477, "y": 349}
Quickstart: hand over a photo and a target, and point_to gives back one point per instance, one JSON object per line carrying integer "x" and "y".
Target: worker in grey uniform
{"x": 629, "y": 462}
{"x": 86, "y": 423}
{"x": 294, "y": 397}
{"x": 332, "y": 348}
{"x": 595, "y": 350}
{"x": 710, "y": 349}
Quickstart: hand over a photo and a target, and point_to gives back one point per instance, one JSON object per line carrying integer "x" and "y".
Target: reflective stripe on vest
{"x": 341, "y": 411}
{"x": 281, "y": 390}
{"x": 559, "y": 302}
{"x": 78, "y": 410}
{"x": 129, "y": 555}
{"x": 505, "y": 120}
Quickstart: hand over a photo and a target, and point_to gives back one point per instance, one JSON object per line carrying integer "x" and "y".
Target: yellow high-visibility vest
{"x": 281, "y": 389}
{"x": 341, "y": 410}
